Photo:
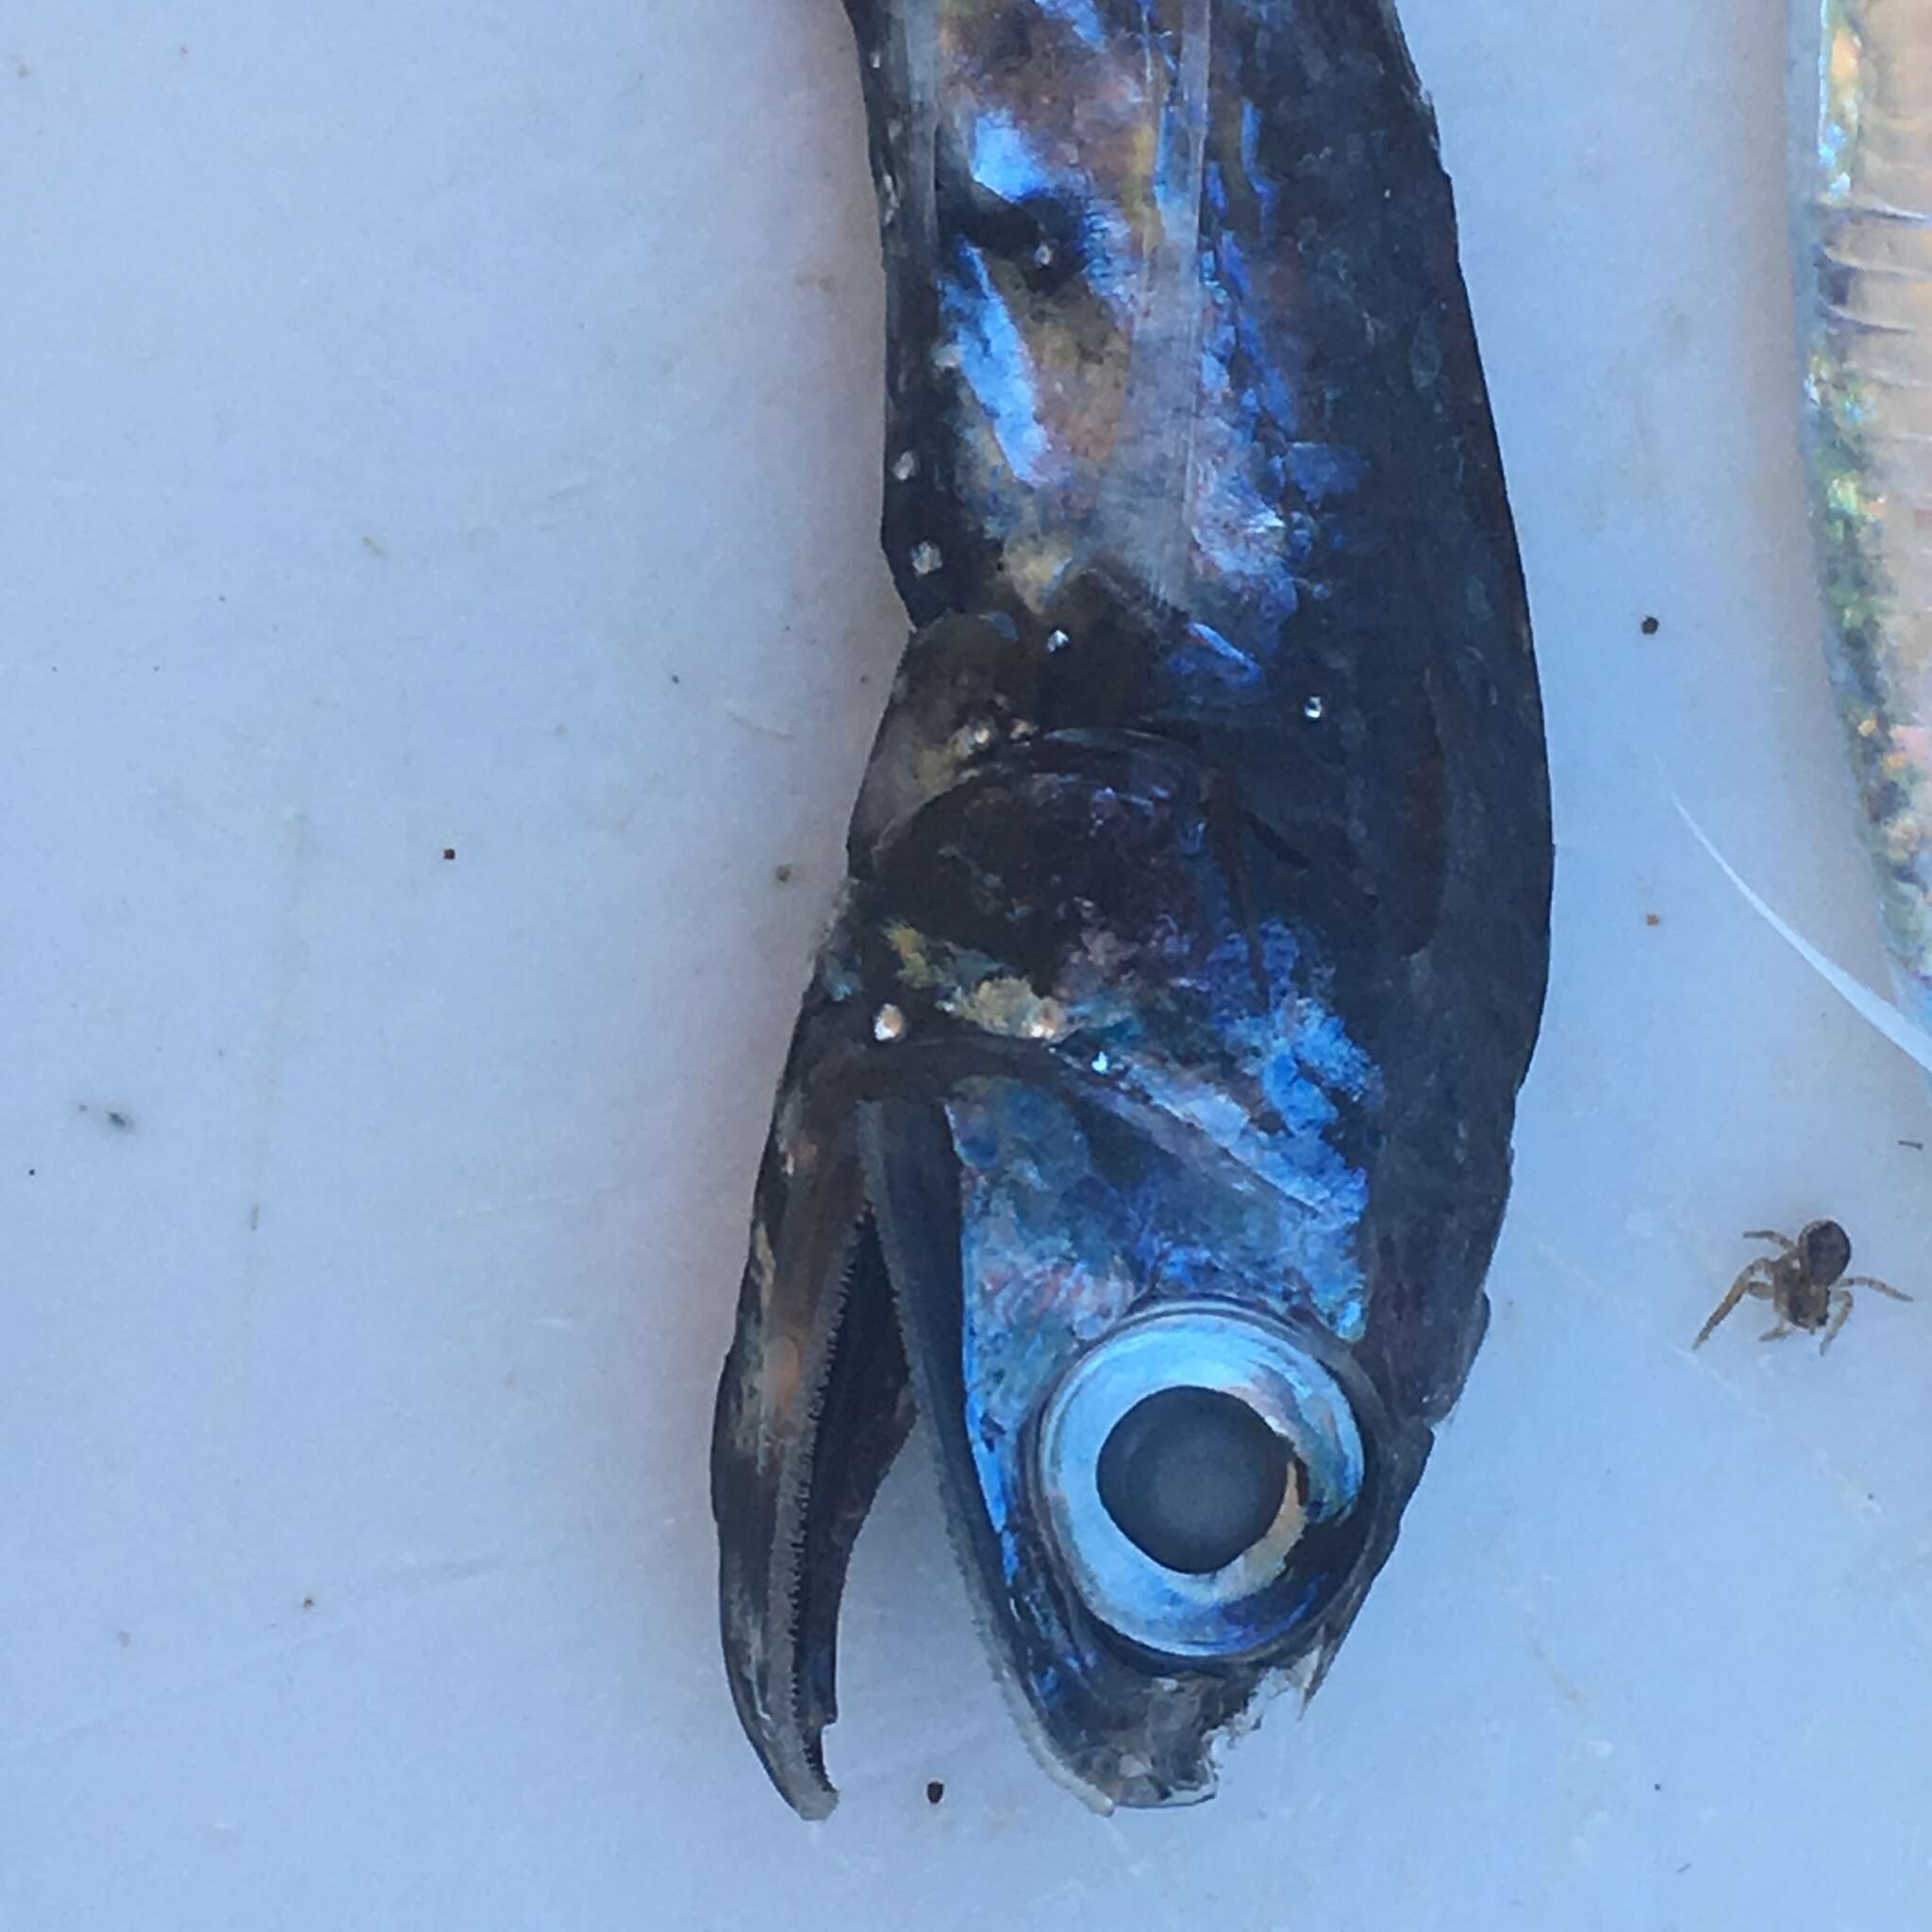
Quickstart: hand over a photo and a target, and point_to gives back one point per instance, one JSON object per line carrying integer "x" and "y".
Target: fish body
{"x": 1863, "y": 157}
{"x": 1146, "y": 1125}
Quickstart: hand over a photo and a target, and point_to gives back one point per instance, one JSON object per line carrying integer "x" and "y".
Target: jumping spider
{"x": 1807, "y": 1285}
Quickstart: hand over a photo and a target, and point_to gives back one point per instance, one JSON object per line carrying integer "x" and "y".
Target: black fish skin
{"x": 1200, "y": 744}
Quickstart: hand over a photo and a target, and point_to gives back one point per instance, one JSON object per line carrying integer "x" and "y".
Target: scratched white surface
{"x": 454, "y": 426}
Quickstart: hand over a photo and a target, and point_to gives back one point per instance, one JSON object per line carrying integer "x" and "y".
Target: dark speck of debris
{"x": 124, "y": 1638}
{"x": 307, "y": 1603}
{"x": 1651, "y": 626}
{"x": 782, "y": 874}
{"x": 935, "y": 1792}
{"x": 119, "y": 1120}
{"x": 31, "y": 1172}
{"x": 374, "y": 548}
{"x": 449, "y": 852}
{"x": 1917, "y": 1146}
{"x": 120, "y": 1123}
{"x": 1653, "y": 919}
{"x": 255, "y": 1217}
{"x": 1681, "y": 1869}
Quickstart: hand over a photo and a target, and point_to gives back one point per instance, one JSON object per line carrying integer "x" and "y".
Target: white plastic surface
{"x": 451, "y": 427}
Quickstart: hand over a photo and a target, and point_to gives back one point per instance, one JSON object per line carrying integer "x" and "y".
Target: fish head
{"x": 1105, "y": 1139}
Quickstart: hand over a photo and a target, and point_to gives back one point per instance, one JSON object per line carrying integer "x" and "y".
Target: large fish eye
{"x": 1195, "y": 1467}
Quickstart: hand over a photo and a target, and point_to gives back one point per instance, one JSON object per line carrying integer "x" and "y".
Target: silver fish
{"x": 1146, "y": 1126}
{"x": 1862, "y": 125}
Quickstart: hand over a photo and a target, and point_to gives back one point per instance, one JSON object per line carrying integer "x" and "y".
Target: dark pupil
{"x": 1193, "y": 1477}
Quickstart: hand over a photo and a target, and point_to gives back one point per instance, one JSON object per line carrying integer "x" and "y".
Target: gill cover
{"x": 1146, "y": 1125}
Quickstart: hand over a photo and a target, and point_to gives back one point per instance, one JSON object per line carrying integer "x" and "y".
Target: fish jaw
{"x": 813, "y": 1407}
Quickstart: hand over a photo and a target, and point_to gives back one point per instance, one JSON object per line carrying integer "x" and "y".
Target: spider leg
{"x": 1770, "y": 1234}
{"x": 1841, "y": 1314}
{"x": 1751, "y": 1281}
{"x": 1872, "y": 1281}
{"x": 1777, "y": 1334}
